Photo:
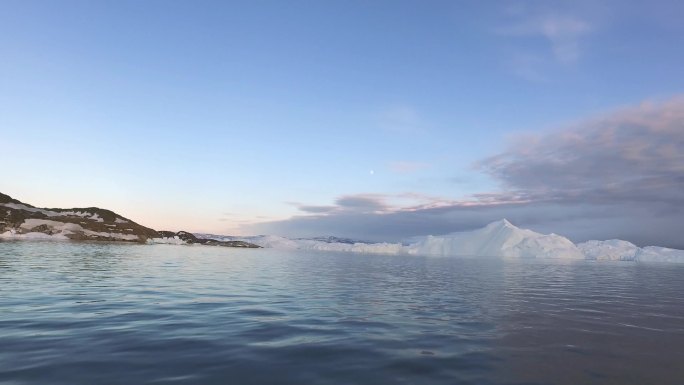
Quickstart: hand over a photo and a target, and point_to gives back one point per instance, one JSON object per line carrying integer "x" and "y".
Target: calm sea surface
{"x": 92, "y": 313}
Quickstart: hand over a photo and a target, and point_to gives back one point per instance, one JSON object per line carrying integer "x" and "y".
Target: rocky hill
{"x": 88, "y": 223}
{"x": 21, "y": 220}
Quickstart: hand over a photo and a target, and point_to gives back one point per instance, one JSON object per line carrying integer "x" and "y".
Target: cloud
{"x": 361, "y": 203}
{"x": 401, "y": 119}
{"x": 316, "y": 209}
{"x": 528, "y": 66}
{"x": 407, "y": 167}
{"x": 632, "y": 155}
{"x": 378, "y": 204}
{"x": 542, "y": 35}
{"x": 561, "y": 32}
{"x": 620, "y": 175}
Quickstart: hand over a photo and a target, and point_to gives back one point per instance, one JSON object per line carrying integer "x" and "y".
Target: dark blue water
{"x": 85, "y": 313}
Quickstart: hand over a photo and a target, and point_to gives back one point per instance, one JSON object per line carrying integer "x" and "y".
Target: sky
{"x": 376, "y": 120}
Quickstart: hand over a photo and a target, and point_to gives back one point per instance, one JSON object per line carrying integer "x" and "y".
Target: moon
{"x": 372, "y": 172}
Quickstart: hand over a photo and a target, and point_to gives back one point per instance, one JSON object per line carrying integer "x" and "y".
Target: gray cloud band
{"x": 617, "y": 176}
{"x": 632, "y": 155}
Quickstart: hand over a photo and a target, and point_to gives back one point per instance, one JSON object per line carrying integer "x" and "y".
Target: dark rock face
{"x": 192, "y": 239}
{"x": 166, "y": 234}
{"x": 7, "y": 199}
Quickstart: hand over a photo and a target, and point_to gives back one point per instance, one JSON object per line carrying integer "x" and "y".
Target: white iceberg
{"x": 498, "y": 239}
{"x": 175, "y": 240}
{"x": 611, "y": 250}
{"x": 659, "y": 254}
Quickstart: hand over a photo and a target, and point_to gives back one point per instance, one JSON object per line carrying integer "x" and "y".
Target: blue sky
{"x": 242, "y": 117}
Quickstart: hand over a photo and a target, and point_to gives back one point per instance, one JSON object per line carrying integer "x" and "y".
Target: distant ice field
{"x": 497, "y": 239}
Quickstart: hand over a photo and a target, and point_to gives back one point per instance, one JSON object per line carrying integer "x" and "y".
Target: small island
{"x": 21, "y": 220}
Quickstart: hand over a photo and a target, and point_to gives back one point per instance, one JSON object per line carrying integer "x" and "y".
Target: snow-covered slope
{"x": 22, "y": 221}
{"x": 33, "y": 228}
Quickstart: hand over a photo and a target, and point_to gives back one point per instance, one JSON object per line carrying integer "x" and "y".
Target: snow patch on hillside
{"x": 83, "y": 214}
{"x": 12, "y": 234}
{"x": 59, "y": 231}
{"x": 20, "y": 206}
{"x": 55, "y": 226}
{"x": 49, "y": 213}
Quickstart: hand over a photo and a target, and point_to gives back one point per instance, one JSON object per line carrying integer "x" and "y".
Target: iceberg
{"x": 618, "y": 250}
{"x": 268, "y": 241}
{"x": 659, "y": 254}
{"x": 610, "y": 250}
{"x": 497, "y": 239}
{"x": 317, "y": 244}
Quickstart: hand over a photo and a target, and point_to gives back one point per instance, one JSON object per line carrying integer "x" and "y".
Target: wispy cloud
{"x": 541, "y": 37}
{"x": 528, "y": 66}
{"x": 407, "y": 167}
{"x": 564, "y": 34}
{"x": 561, "y": 32}
{"x": 401, "y": 119}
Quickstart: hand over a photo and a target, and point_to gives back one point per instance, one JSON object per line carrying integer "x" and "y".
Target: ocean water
{"x": 94, "y": 313}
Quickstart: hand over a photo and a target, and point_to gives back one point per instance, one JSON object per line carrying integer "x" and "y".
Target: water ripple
{"x": 128, "y": 314}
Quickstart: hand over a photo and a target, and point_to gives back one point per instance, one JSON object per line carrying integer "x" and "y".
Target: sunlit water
{"x": 93, "y": 313}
